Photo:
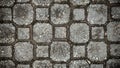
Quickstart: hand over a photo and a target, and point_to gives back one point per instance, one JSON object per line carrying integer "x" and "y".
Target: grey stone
{"x": 42, "y": 32}
{"x": 5, "y": 51}
{"x": 97, "y": 14}
{"x": 23, "y": 66}
{"x": 99, "y": 1}
{"x": 97, "y": 51}
{"x": 60, "y": 0}
{"x": 115, "y": 49}
{"x": 60, "y": 51}
{"x": 5, "y": 14}
{"x": 113, "y": 63}
{"x": 7, "y": 64}
{"x": 42, "y": 14}
{"x": 6, "y": 2}
{"x": 42, "y": 51}
{"x": 42, "y": 64}
{"x": 97, "y": 33}
{"x": 60, "y": 13}
{"x": 42, "y": 2}
{"x": 78, "y": 51}
{"x": 23, "y": 51}
{"x": 79, "y": 64}
{"x": 78, "y": 14}
{"x": 7, "y": 33}
{"x": 96, "y": 66}
{"x": 114, "y": 1}
{"x": 23, "y": 33}
{"x": 115, "y": 11}
{"x": 23, "y": 14}
{"x": 60, "y": 66}
{"x": 79, "y": 33}
{"x": 113, "y": 31}
{"x": 60, "y": 32}
{"x": 23, "y": 0}
{"x": 79, "y": 2}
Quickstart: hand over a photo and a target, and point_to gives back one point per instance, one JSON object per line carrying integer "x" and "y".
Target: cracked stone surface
{"x": 59, "y": 33}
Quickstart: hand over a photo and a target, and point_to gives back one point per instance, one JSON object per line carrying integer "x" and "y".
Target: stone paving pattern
{"x": 59, "y": 33}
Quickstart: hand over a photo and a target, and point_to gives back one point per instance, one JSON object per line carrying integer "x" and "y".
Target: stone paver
{"x": 60, "y": 0}
{"x": 115, "y": 49}
{"x": 6, "y": 2}
{"x": 113, "y": 31}
{"x": 23, "y": 51}
{"x": 115, "y": 11}
{"x": 42, "y": 14}
{"x": 23, "y": 66}
{"x": 42, "y": 64}
{"x": 114, "y": 1}
{"x": 7, "y": 33}
{"x": 23, "y": 33}
{"x": 60, "y": 13}
{"x": 60, "y": 66}
{"x": 79, "y": 2}
{"x": 5, "y": 51}
{"x": 60, "y": 51}
{"x": 79, "y": 33}
{"x": 78, "y": 14}
{"x": 60, "y": 32}
{"x": 21, "y": 1}
{"x": 5, "y": 14}
{"x": 97, "y": 33}
{"x": 42, "y": 2}
{"x": 23, "y": 14}
{"x": 113, "y": 63}
{"x": 42, "y": 51}
{"x": 78, "y": 51}
{"x": 97, "y": 14}
{"x": 42, "y": 32}
{"x": 79, "y": 64}
{"x": 96, "y": 66}
{"x": 97, "y": 51}
{"x": 7, "y": 64}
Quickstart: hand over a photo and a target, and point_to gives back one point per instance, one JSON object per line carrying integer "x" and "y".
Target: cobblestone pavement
{"x": 59, "y": 33}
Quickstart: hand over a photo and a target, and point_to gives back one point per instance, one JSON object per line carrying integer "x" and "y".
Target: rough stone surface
{"x": 113, "y": 31}
{"x": 5, "y": 14}
{"x": 5, "y": 51}
{"x": 42, "y": 64}
{"x": 97, "y": 33}
{"x": 42, "y": 32}
{"x": 96, "y": 66}
{"x": 113, "y": 63}
{"x": 23, "y": 14}
{"x": 115, "y": 49}
{"x": 7, "y": 64}
{"x": 7, "y": 33}
{"x": 79, "y": 2}
{"x": 42, "y": 14}
{"x": 42, "y": 2}
{"x": 60, "y": 32}
{"x": 78, "y": 51}
{"x": 60, "y": 51}
{"x": 97, "y": 51}
{"x": 79, "y": 64}
{"x": 115, "y": 11}
{"x": 23, "y": 33}
{"x": 97, "y": 14}
{"x": 23, "y": 1}
{"x": 79, "y": 14}
{"x": 99, "y": 1}
{"x": 60, "y": 66}
{"x": 60, "y": 13}
{"x": 42, "y": 51}
{"x": 114, "y": 1}
{"x": 79, "y": 33}
{"x": 6, "y": 2}
{"x": 60, "y": 0}
{"x": 23, "y": 66}
{"x": 23, "y": 51}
